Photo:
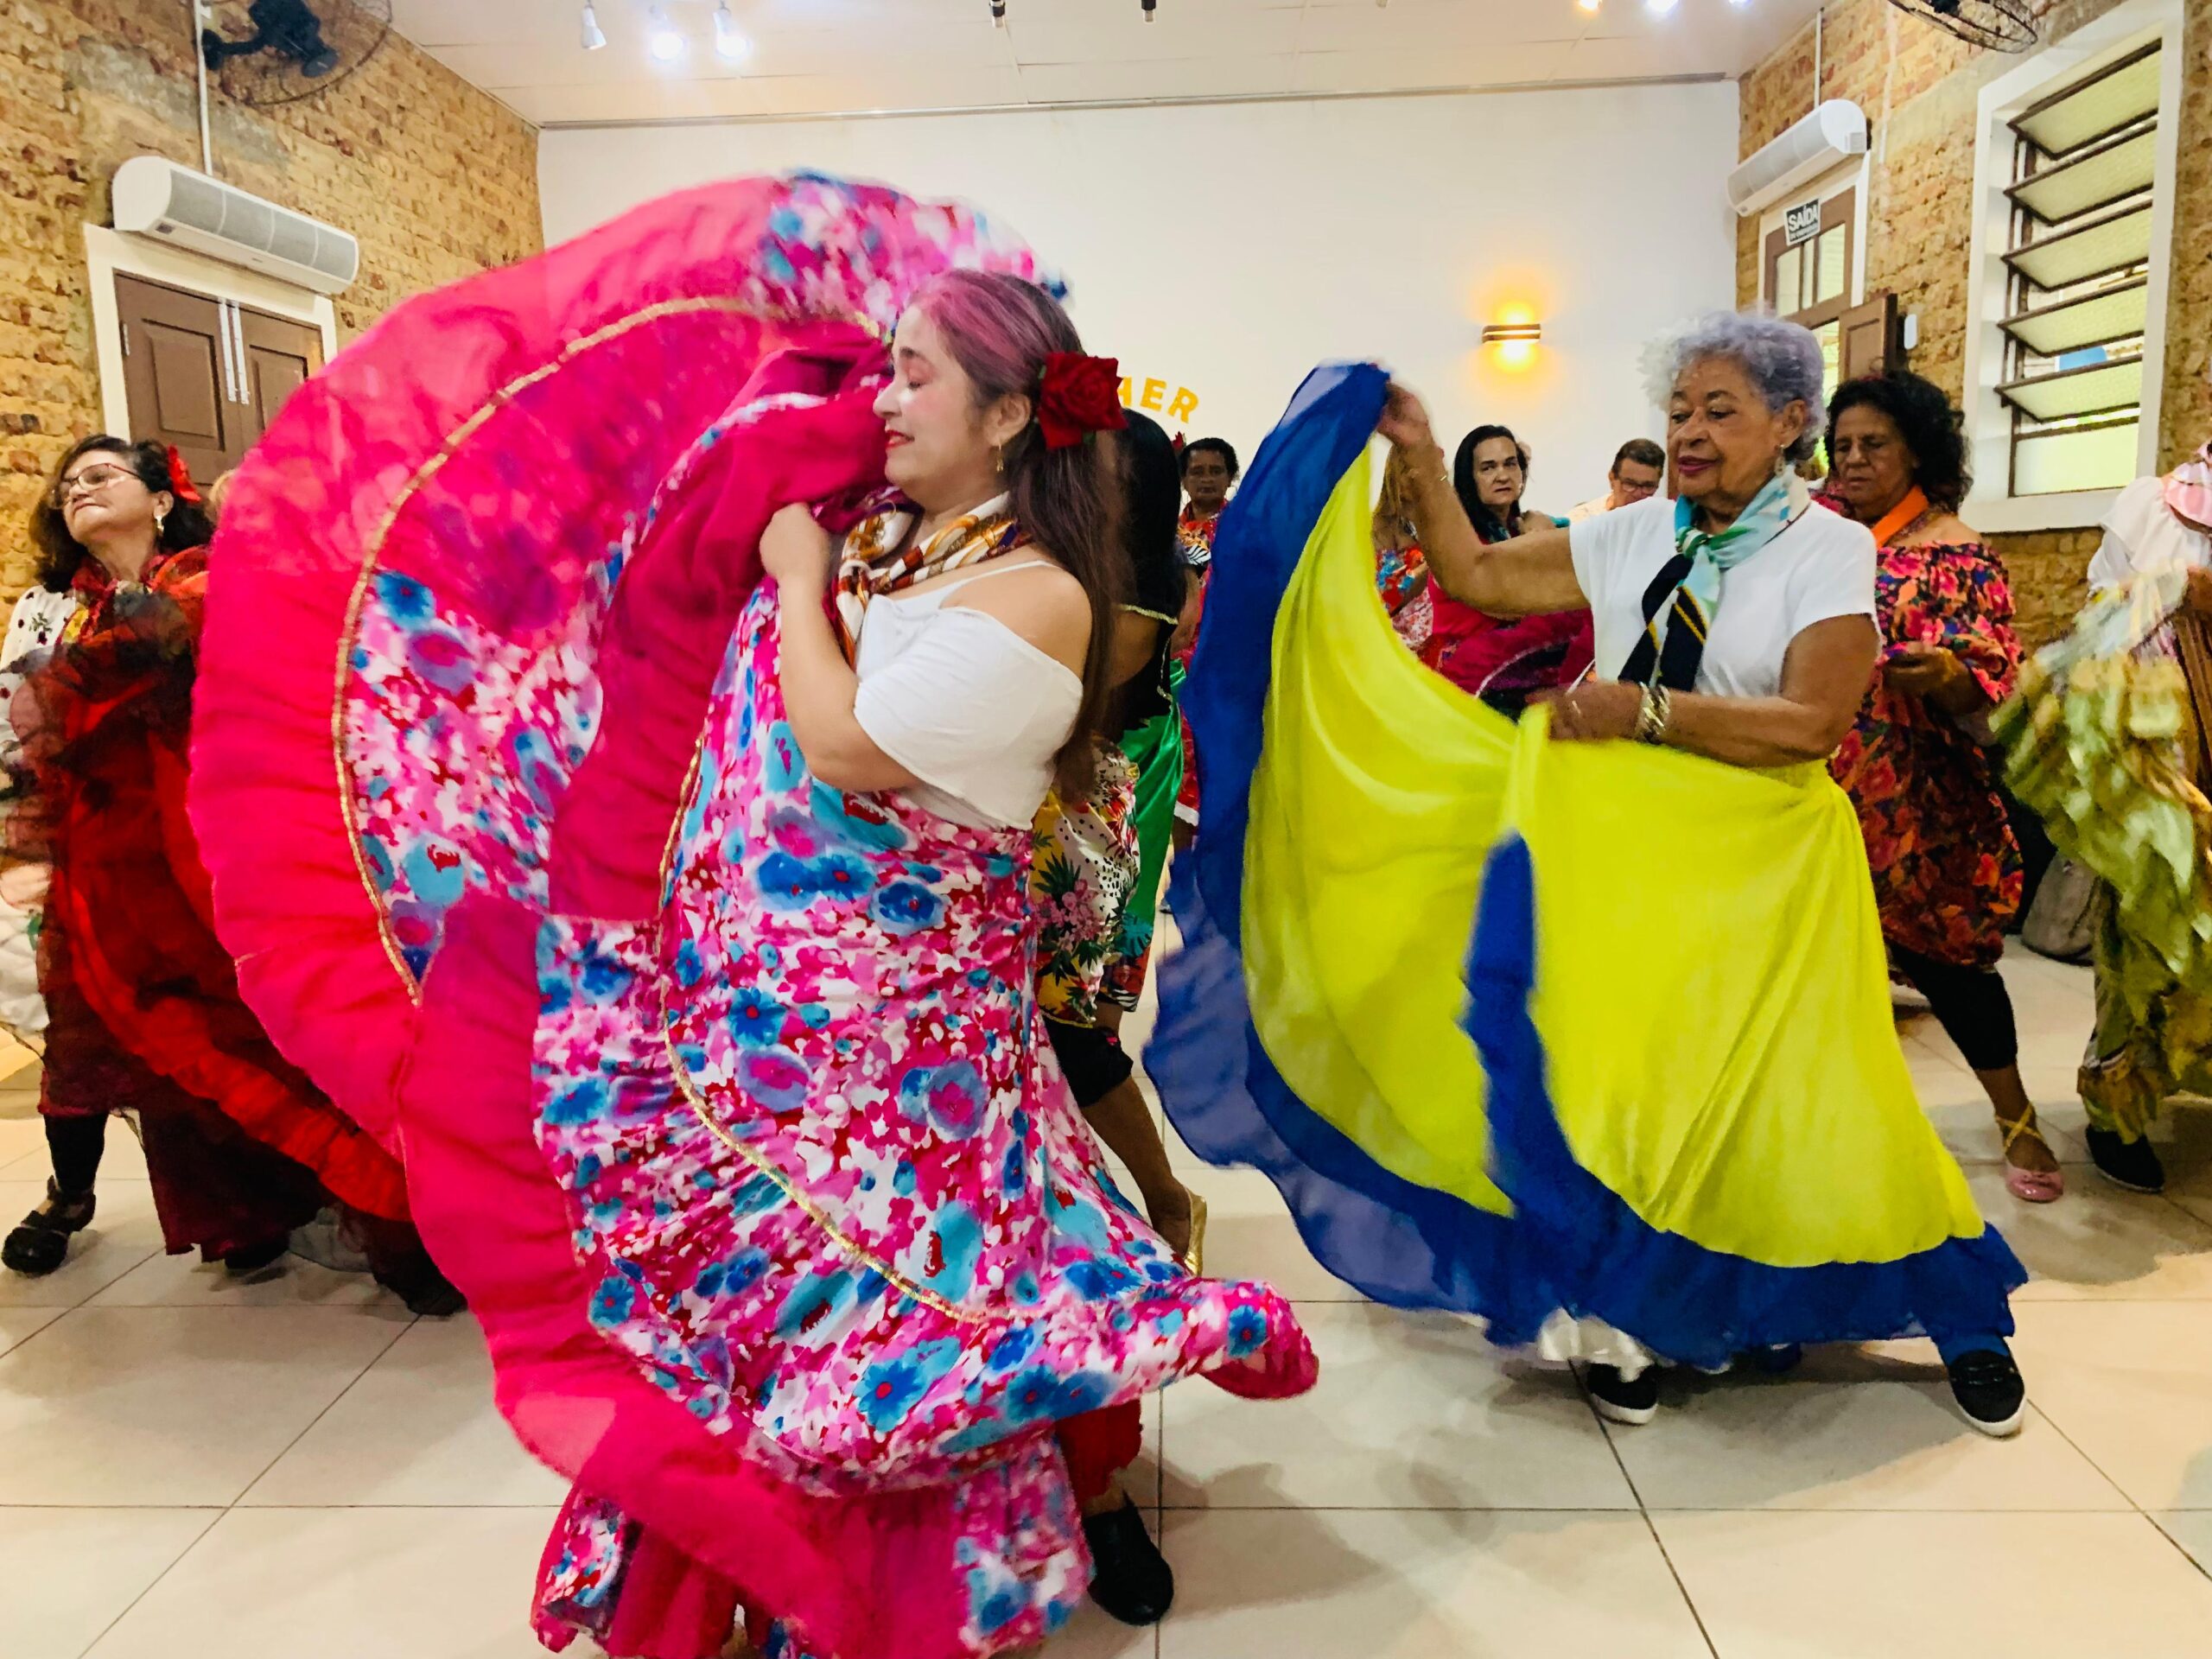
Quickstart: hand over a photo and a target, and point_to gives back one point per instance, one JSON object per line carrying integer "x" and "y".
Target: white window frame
{"x": 110, "y": 253}
{"x": 1857, "y": 174}
{"x": 1992, "y": 506}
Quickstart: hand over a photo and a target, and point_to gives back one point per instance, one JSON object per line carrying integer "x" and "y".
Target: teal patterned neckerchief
{"x": 1680, "y": 604}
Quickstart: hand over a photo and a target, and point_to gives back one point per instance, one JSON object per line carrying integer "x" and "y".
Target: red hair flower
{"x": 181, "y": 484}
{"x": 1078, "y": 395}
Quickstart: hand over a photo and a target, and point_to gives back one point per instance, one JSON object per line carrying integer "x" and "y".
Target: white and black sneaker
{"x": 1990, "y": 1390}
{"x": 1631, "y": 1400}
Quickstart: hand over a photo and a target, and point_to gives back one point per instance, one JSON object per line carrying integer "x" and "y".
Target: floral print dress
{"x": 838, "y": 1204}
{"x": 1947, "y": 870}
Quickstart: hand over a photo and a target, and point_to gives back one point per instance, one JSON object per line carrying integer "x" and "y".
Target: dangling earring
{"x": 998, "y": 460}
{"x": 161, "y": 519}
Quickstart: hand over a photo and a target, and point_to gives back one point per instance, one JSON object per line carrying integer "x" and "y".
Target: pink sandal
{"x": 2030, "y": 1185}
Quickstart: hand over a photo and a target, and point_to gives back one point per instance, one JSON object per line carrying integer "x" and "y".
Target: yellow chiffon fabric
{"x": 1710, "y": 995}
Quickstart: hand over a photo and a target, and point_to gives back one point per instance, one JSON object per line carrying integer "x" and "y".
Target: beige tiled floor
{"x": 293, "y": 1469}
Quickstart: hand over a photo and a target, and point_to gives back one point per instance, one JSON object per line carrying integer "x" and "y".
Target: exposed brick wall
{"x": 1918, "y": 86}
{"x": 435, "y": 178}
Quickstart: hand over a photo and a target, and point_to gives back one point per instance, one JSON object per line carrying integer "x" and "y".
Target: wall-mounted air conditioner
{"x": 158, "y": 198}
{"x": 1824, "y": 139}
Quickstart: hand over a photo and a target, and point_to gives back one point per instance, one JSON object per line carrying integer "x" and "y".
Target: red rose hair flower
{"x": 1078, "y": 396}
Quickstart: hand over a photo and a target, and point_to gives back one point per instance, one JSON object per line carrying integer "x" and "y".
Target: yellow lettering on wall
{"x": 1125, "y": 392}
{"x": 1183, "y": 405}
{"x": 1155, "y": 394}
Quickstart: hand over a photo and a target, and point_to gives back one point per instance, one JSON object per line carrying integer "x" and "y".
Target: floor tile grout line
{"x": 2078, "y": 1452}
{"x": 231, "y": 1508}
{"x": 2158, "y": 1527}
{"x": 1673, "y": 1573}
{"x": 215, "y": 1519}
{"x": 1644, "y": 1512}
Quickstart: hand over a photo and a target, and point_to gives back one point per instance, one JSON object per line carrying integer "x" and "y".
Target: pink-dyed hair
{"x": 1000, "y": 329}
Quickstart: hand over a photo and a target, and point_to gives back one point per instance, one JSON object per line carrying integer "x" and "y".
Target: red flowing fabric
{"x": 129, "y": 940}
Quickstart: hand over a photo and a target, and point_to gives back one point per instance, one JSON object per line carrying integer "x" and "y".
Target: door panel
{"x": 187, "y": 393}
{"x": 280, "y": 355}
{"x": 271, "y": 376}
{"x": 1871, "y": 338}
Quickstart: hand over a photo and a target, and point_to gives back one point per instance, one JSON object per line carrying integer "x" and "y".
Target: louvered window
{"x": 2082, "y": 202}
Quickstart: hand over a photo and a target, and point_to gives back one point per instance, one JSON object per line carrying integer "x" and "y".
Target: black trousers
{"x": 1971, "y": 1004}
{"x": 75, "y": 1144}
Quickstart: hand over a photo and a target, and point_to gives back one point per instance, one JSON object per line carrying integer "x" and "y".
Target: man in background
{"x": 1638, "y": 470}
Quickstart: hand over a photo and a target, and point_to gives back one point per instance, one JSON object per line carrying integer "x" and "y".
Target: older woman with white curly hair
{"x": 1735, "y": 621}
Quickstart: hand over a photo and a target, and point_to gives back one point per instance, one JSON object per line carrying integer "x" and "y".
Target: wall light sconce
{"x": 1515, "y": 340}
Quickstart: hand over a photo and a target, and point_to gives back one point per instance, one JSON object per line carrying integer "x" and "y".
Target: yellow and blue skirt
{"x": 1683, "y": 1110}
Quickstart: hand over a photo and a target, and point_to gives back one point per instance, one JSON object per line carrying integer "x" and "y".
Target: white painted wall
{"x": 1229, "y": 248}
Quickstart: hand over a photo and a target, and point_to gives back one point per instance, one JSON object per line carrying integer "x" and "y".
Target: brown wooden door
{"x": 207, "y": 375}
{"x": 1871, "y": 339}
{"x": 279, "y": 355}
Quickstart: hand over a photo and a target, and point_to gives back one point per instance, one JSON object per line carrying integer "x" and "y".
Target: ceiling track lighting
{"x": 1150, "y": 8}
{"x": 998, "y": 12}
{"x": 594, "y": 36}
{"x": 662, "y": 39}
{"x": 730, "y": 39}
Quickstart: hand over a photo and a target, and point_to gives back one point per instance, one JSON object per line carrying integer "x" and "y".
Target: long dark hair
{"x": 1487, "y": 524}
{"x": 1924, "y": 419}
{"x": 61, "y": 554}
{"x": 1000, "y": 329}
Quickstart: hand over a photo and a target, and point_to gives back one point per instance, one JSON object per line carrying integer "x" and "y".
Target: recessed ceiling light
{"x": 594, "y": 36}
{"x": 1591, "y": 7}
{"x": 662, "y": 38}
{"x": 1659, "y": 8}
{"x": 730, "y": 39}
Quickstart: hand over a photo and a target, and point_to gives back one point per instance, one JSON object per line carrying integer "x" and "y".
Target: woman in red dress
{"x": 143, "y": 1010}
{"x": 1505, "y": 661}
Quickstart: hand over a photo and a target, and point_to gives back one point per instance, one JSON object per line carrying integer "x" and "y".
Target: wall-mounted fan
{"x": 2000, "y": 25}
{"x": 266, "y": 52}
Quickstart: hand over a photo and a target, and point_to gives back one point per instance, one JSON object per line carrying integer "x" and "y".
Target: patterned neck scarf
{"x": 1194, "y": 535}
{"x": 1687, "y": 588}
{"x": 2189, "y": 490}
{"x": 868, "y": 567}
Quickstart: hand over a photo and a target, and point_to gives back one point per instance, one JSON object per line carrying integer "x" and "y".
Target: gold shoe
{"x": 1195, "y": 1257}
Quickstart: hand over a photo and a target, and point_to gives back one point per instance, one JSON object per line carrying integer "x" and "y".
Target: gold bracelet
{"x": 1651, "y": 718}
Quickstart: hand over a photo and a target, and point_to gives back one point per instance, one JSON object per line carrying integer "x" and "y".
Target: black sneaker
{"x": 2131, "y": 1164}
{"x": 1130, "y": 1580}
{"x": 1989, "y": 1389}
{"x": 1623, "y": 1398}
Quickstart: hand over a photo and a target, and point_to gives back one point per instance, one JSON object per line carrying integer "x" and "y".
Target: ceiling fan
{"x": 265, "y": 52}
{"x": 1999, "y": 25}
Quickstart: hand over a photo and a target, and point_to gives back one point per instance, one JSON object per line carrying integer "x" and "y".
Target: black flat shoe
{"x": 1990, "y": 1390}
{"x": 255, "y": 1257}
{"x": 41, "y": 1243}
{"x": 1631, "y": 1400}
{"x": 428, "y": 1293}
{"x": 1130, "y": 1580}
{"x": 2131, "y": 1164}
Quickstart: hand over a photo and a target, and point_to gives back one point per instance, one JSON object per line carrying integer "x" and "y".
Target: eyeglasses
{"x": 88, "y": 482}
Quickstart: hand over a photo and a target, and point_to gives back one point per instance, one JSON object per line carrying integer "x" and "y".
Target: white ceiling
{"x": 816, "y": 57}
